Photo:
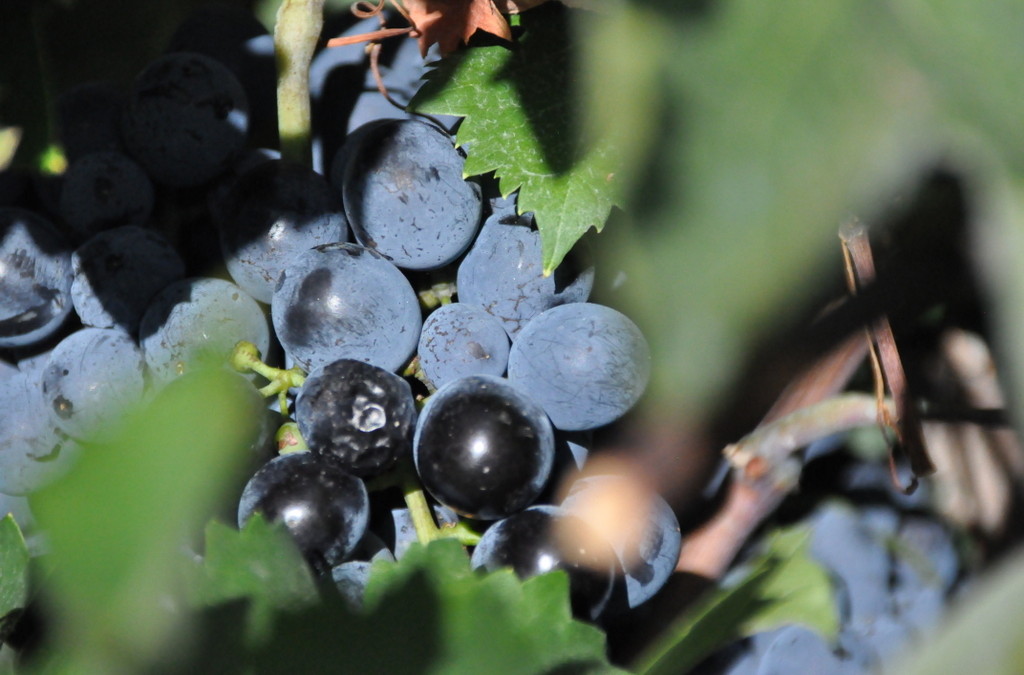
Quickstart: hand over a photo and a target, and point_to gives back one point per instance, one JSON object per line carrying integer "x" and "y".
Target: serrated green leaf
{"x": 521, "y": 123}
{"x": 494, "y": 622}
{"x": 14, "y": 560}
{"x": 783, "y": 585}
{"x": 259, "y": 563}
{"x": 117, "y": 523}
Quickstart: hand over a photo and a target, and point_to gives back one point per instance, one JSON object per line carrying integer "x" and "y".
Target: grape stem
{"x": 423, "y": 517}
{"x": 296, "y": 33}
{"x": 245, "y": 358}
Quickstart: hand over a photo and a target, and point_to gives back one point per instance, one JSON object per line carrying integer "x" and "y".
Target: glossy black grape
{"x": 526, "y": 542}
{"x": 361, "y": 414}
{"x": 323, "y": 506}
{"x": 483, "y": 448}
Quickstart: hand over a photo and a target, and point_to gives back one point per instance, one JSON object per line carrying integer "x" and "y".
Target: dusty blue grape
{"x": 654, "y": 557}
{"x": 105, "y": 190}
{"x": 796, "y": 649}
{"x": 344, "y": 301}
{"x": 274, "y": 211}
{"x": 336, "y": 77}
{"x": 856, "y": 559}
{"x": 504, "y": 273}
{"x": 116, "y": 274}
{"x": 91, "y": 378}
{"x": 405, "y": 195}
{"x": 33, "y": 451}
{"x": 459, "y": 340}
{"x": 186, "y": 119}
{"x": 585, "y": 364}
{"x": 35, "y": 278}
{"x": 196, "y": 322}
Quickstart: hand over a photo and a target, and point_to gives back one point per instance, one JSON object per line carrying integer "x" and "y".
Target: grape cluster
{"x": 893, "y": 569}
{"x": 410, "y": 334}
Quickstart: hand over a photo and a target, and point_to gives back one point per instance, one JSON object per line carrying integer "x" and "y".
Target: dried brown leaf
{"x": 450, "y": 23}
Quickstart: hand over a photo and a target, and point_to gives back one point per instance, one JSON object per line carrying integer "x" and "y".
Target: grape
{"x": 33, "y": 452}
{"x": 335, "y": 80}
{"x": 482, "y": 448}
{"x": 274, "y": 211}
{"x": 459, "y": 340}
{"x": 572, "y": 447}
{"x": 405, "y": 195}
{"x": 90, "y": 378}
{"x": 360, "y": 414}
{"x": 657, "y": 541}
{"x": 116, "y": 274}
{"x": 186, "y": 119}
{"x": 585, "y": 364}
{"x": 855, "y": 558}
{"x": 105, "y": 190}
{"x": 324, "y": 508}
{"x": 526, "y": 542}
{"x": 343, "y": 301}
{"x": 35, "y": 278}
{"x": 504, "y": 274}
{"x": 796, "y": 649}
{"x": 89, "y": 119}
{"x": 199, "y": 320}
{"x": 351, "y": 576}
{"x": 235, "y": 38}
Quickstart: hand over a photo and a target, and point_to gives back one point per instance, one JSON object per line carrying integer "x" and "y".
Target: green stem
{"x": 420, "y": 512}
{"x": 245, "y": 358}
{"x": 296, "y": 33}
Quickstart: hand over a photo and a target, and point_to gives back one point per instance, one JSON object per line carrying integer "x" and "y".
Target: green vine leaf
{"x": 521, "y": 122}
{"x": 259, "y": 563}
{"x": 14, "y": 560}
{"x": 490, "y": 623}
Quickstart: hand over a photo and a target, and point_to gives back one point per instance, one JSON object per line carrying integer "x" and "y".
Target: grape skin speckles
{"x": 344, "y": 301}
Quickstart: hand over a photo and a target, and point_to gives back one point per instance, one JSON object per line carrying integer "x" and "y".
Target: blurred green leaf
{"x": 491, "y": 623}
{"x": 776, "y": 121}
{"x": 797, "y": 590}
{"x": 782, "y": 586}
{"x": 14, "y": 560}
{"x": 259, "y": 563}
{"x": 522, "y": 123}
{"x": 118, "y": 523}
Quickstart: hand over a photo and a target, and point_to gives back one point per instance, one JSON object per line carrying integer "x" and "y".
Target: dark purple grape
{"x": 360, "y": 414}
{"x": 104, "y": 190}
{"x": 483, "y": 448}
{"x": 117, "y": 273}
{"x": 526, "y": 542}
{"x": 323, "y": 506}
{"x": 186, "y": 119}
{"x": 650, "y": 553}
